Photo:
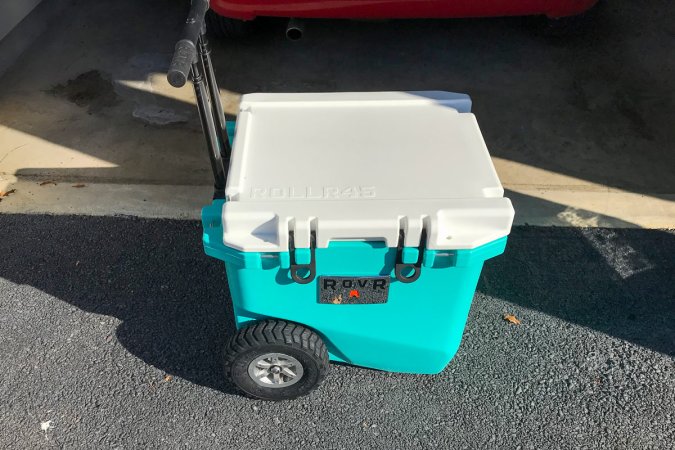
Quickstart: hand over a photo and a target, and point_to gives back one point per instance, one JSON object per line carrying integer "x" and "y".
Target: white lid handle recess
{"x": 449, "y": 223}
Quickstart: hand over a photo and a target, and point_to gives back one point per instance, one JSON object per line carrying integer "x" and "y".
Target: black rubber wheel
{"x": 276, "y": 360}
{"x": 226, "y": 28}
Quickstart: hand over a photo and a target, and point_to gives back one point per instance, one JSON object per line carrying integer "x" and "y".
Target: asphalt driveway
{"x": 111, "y": 330}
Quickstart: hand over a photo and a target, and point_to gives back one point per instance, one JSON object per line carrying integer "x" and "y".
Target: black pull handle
{"x": 185, "y": 52}
{"x": 400, "y": 266}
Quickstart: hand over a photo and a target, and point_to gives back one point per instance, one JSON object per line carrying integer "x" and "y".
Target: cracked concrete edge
{"x": 103, "y": 199}
{"x": 540, "y": 207}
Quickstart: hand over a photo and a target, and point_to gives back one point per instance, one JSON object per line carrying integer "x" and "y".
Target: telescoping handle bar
{"x": 185, "y": 53}
{"x": 192, "y": 56}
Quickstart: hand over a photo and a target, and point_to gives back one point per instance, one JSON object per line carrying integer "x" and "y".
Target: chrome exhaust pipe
{"x": 295, "y": 29}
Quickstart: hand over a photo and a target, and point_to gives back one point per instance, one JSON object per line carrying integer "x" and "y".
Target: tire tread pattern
{"x": 276, "y": 332}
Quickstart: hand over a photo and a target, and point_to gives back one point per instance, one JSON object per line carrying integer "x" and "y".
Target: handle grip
{"x": 183, "y": 57}
{"x": 185, "y": 52}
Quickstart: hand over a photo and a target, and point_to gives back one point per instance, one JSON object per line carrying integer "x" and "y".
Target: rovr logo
{"x": 350, "y": 283}
{"x": 353, "y": 290}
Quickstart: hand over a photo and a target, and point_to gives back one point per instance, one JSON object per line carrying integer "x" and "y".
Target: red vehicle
{"x": 232, "y": 14}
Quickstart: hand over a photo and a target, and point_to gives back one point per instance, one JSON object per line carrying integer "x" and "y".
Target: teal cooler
{"x": 365, "y": 217}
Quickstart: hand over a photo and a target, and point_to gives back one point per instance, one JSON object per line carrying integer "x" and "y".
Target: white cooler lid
{"x": 361, "y": 166}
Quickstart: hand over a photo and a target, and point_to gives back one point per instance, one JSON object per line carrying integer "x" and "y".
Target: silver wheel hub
{"x": 275, "y": 370}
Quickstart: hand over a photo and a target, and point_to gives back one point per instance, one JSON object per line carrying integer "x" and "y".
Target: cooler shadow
{"x": 152, "y": 275}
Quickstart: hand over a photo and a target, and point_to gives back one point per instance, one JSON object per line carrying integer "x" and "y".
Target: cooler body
{"x": 418, "y": 329}
{"x": 365, "y": 217}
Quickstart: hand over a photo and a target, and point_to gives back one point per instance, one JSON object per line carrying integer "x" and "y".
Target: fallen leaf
{"x": 80, "y": 185}
{"x": 168, "y": 378}
{"x": 511, "y": 319}
{"x": 44, "y": 183}
{"x": 5, "y": 194}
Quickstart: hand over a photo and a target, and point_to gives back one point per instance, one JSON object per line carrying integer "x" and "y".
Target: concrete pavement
{"x": 580, "y": 128}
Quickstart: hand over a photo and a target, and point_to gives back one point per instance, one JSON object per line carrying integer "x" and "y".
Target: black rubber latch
{"x": 295, "y": 268}
{"x": 401, "y": 266}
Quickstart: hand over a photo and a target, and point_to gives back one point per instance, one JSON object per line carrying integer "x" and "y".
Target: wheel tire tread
{"x": 276, "y": 332}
